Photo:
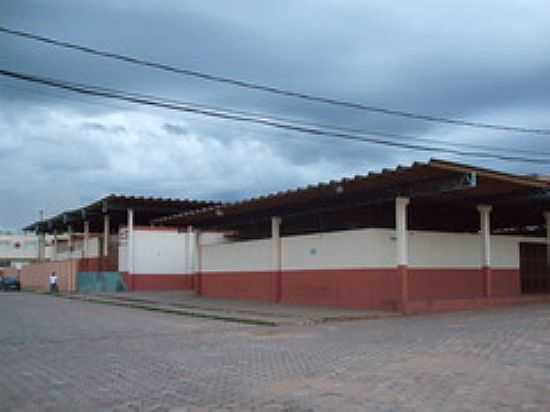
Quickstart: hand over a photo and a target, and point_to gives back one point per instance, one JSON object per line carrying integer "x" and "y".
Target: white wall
{"x": 159, "y": 252}
{"x": 123, "y": 250}
{"x": 249, "y": 256}
{"x": 462, "y": 250}
{"x": 334, "y": 250}
{"x": 162, "y": 251}
{"x": 78, "y": 250}
{"x": 373, "y": 248}
{"x": 18, "y": 247}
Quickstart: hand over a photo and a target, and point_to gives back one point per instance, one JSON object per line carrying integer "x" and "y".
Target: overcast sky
{"x": 477, "y": 60}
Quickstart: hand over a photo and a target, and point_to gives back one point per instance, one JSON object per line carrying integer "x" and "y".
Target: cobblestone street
{"x": 59, "y": 354}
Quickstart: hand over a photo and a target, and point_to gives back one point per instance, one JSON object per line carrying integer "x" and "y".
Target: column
{"x": 70, "y": 241}
{"x": 54, "y": 257}
{"x": 401, "y": 204}
{"x": 41, "y": 246}
{"x": 130, "y": 247}
{"x": 189, "y": 256}
{"x": 547, "y": 220}
{"x": 276, "y": 261}
{"x": 198, "y": 256}
{"x": 106, "y": 233}
{"x": 86, "y": 238}
{"x": 485, "y": 233}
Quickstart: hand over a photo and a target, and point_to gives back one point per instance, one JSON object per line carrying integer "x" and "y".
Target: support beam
{"x": 106, "y": 234}
{"x": 130, "y": 243}
{"x": 86, "y": 238}
{"x": 189, "y": 269}
{"x": 70, "y": 240}
{"x": 402, "y": 251}
{"x": 54, "y": 257}
{"x": 41, "y": 246}
{"x": 485, "y": 234}
{"x": 547, "y": 220}
{"x": 198, "y": 257}
{"x": 189, "y": 243}
{"x": 276, "y": 257}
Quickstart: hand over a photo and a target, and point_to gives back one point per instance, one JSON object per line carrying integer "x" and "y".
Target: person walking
{"x": 53, "y": 283}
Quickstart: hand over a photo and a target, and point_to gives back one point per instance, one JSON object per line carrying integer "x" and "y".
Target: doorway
{"x": 534, "y": 268}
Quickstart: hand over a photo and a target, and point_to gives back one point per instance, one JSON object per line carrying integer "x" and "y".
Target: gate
{"x": 534, "y": 268}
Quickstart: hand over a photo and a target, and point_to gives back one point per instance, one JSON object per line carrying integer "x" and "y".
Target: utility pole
{"x": 41, "y": 238}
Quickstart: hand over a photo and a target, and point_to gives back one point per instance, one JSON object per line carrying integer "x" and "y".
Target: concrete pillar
{"x": 485, "y": 234}
{"x": 86, "y": 238}
{"x": 41, "y": 246}
{"x": 70, "y": 240}
{"x": 547, "y": 219}
{"x": 198, "y": 262}
{"x": 189, "y": 269}
{"x": 130, "y": 241}
{"x": 402, "y": 250}
{"x": 189, "y": 251}
{"x": 276, "y": 258}
{"x": 106, "y": 234}
{"x": 54, "y": 257}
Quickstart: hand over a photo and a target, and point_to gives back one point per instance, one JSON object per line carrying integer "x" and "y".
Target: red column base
{"x": 198, "y": 284}
{"x": 276, "y": 282}
{"x": 403, "y": 273}
{"x": 487, "y": 281}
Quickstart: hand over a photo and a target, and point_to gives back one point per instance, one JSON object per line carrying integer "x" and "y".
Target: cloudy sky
{"x": 485, "y": 61}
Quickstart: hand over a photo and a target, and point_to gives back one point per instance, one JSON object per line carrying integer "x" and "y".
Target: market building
{"x": 109, "y": 245}
{"x": 433, "y": 236}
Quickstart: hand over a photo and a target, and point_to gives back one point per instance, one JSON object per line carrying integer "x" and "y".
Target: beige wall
{"x": 237, "y": 256}
{"x": 36, "y": 276}
{"x": 162, "y": 251}
{"x": 362, "y": 248}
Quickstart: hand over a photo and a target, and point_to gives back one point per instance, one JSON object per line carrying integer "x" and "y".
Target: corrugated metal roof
{"x": 156, "y": 205}
{"x": 369, "y": 182}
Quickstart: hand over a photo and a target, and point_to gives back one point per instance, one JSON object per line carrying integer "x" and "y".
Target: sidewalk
{"x": 187, "y": 303}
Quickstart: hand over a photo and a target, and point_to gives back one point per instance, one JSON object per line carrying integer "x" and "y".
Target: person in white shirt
{"x": 53, "y": 283}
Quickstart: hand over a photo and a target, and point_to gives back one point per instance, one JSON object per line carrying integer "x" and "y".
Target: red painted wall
{"x": 97, "y": 264}
{"x": 241, "y": 285}
{"x": 445, "y": 283}
{"x": 448, "y": 283}
{"x": 359, "y": 288}
{"x": 349, "y": 288}
{"x": 154, "y": 282}
{"x": 506, "y": 282}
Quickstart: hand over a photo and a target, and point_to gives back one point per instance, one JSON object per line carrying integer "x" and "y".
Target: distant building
{"x": 18, "y": 250}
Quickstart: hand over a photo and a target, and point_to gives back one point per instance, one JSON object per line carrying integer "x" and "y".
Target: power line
{"x": 272, "y": 89}
{"x": 304, "y": 123}
{"x": 264, "y": 121}
{"x": 47, "y": 95}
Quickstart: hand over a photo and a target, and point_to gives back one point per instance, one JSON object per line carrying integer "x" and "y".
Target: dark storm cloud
{"x": 175, "y": 129}
{"x": 486, "y": 61}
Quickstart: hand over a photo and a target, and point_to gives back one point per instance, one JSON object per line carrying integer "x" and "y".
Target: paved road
{"x": 58, "y": 355}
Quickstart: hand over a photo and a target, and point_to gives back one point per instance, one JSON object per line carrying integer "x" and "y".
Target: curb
{"x": 158, "y": 308}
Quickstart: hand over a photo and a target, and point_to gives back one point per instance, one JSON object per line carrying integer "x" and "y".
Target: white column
{"x": 86, "y": 237}
{"x": 189, "y": 250}
{"x": 276, "y": 244}
{"x": 547, "y": 219}
{"x": 276, "y": 258}
{"x": 401, "y": 230}
{"x": 198, "y": 251}
{"x": 70, "y": 241}
{"x": 41, "y": 246}
{"x": 485, "y": 232}
{"x": 54, "y": 257}
{"x": 130, "y": 242}
{"x": 198, "y": 268}
{"x": 106, "y": 233}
